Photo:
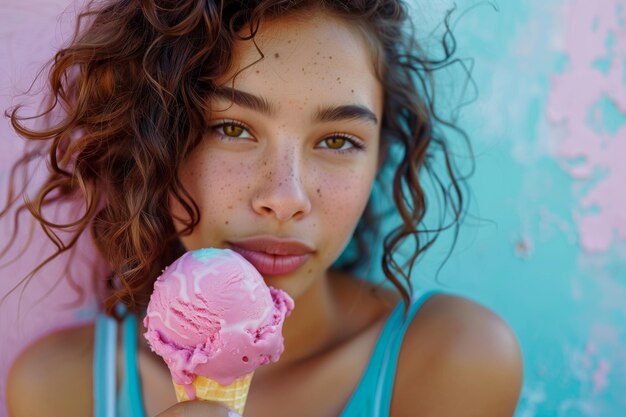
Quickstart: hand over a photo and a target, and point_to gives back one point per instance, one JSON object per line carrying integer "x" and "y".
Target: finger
{"x": 198, "y": 408}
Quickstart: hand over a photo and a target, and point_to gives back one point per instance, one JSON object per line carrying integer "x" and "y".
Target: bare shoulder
{"x": 56, "y": 371}
{"x": 457, "y": 358}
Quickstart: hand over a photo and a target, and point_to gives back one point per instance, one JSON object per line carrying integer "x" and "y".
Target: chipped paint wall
{"x": 544, "y": 245}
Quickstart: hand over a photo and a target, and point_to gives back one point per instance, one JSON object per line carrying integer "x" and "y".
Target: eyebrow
{"x": 324, "y": 114}
{"x": 346, "y": 112}
{"x": 243, "y": 99}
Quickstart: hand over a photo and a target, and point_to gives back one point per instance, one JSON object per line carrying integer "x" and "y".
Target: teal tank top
{"x": 371, "y": 397}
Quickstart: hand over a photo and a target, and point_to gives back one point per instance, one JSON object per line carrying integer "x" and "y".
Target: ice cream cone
{"x": 233, "y": 396}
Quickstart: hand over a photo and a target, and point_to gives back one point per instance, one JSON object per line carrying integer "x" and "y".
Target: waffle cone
{"x": 233, "y": 396}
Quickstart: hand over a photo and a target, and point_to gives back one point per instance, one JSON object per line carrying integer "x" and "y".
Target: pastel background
{"x": 545, "y": 241}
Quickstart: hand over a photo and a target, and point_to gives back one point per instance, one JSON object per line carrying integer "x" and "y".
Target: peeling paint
{"x": 588, "y": 95}
{"x": 599, "y": 378}
{"x": 532, "y": 399}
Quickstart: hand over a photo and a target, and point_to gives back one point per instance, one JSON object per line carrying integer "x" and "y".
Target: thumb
{"x": 198, "y": 408}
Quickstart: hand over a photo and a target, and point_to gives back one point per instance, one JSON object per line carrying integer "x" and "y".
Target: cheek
{"x": 342, "y": 200}
{"x": 218, "y": 185}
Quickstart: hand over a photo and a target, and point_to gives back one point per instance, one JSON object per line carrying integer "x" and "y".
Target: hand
{"x": 198, "y": 408}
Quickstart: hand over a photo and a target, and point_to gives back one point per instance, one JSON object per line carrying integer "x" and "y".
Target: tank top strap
{"x": 372, "y": 397}
{"x": 130, "y": 399}
{"x": 104, "y": 361}
{"x": 108, "y": 402}
{"x": 388, "y": 370}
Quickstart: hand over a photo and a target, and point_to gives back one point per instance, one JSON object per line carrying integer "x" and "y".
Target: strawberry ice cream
{"x": 212, "y": 315}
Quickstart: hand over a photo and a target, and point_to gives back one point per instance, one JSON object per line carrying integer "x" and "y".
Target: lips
{"x": 273, "y": 256}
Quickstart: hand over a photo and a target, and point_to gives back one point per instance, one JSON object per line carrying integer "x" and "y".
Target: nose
{"x": 281, "y": 192}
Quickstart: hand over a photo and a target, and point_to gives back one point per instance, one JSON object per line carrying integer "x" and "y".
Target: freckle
{"x": 318, "y": 53}
{"x": 352, "y": 91}
{"x": 230, "y": 207}
{"x": 309, "y": 271}
{"x": 330, "y": 57}
{"x": 288, "y": 40}
{"x": 276, "y": 55}
{"x": 226, "y": 222}
{"x": 257, "y": 71}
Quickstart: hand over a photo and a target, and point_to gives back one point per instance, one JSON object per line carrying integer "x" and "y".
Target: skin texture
{"x": 281, "y": 177}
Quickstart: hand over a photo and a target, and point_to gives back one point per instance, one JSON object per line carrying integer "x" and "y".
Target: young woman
{"x": 259, "y": 126}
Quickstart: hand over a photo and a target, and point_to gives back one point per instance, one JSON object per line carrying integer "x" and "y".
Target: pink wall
{"x": 573, "y": 94}
{"x": 29, "y": 33}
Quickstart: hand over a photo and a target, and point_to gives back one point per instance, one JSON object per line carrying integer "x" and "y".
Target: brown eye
{"x": 232, "y": 130}
{"x": 335, "y": 142}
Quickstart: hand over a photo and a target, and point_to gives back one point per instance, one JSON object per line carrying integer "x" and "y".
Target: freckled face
{"x": 298, "y": 159}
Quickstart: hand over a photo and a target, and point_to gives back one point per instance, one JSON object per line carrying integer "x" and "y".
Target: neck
{"x": 310, "y": 328}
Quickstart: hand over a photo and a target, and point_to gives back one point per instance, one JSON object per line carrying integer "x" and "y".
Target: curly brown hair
{"x": 133, "y": 86}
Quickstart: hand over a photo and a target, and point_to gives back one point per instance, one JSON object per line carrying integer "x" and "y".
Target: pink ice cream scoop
{"x": 212, "y": 315}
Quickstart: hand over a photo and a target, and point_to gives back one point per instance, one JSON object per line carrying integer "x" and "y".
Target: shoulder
{"x": 56, "y": 371}
{"x": 457, "y": 358}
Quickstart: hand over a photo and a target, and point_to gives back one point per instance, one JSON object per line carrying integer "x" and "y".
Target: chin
{"x": 294, "y": 285}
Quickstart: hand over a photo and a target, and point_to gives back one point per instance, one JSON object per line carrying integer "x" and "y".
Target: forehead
{"x": 312, "y": 58}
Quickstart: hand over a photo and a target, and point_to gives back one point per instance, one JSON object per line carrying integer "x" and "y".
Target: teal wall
{"x": 544, "y": 242}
